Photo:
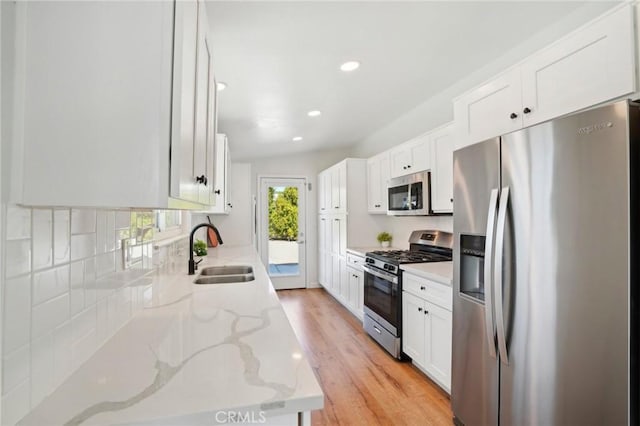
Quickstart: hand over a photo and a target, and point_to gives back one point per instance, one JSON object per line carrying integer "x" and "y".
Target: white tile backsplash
{"x": 83, "y": 246}
{"x": 76, "y": 286}
{"x": 61, "y": 236}
{"x": 16, "y": 403}
{"x": 17, "y": 257}
{"x": 15, "y": 368}
{"x": 83, "y": 221}
{"x": 49, "y": 315}
{"x": 42, "y": 240}
{"x": 18, "y": 223}
{"x": 17, "y": 313}
{"x": 63, "y": 296}
{"x": 42, "y": 368}
{"x": 49, "y": 284}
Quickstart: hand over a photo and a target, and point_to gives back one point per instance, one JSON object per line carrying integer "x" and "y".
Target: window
{"x": 168, "y": 223}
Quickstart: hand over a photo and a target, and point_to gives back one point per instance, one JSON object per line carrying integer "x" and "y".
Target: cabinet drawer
{"x": 430, "y": 291}
{"x": 355, "y": 261}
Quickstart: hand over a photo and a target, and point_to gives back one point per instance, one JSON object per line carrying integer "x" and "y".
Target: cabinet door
{"x": 322, "y": 233}
{"x": 344, "y": 281}
{"x": 219, "y": 185}
{"x": 377, "y": 179}
{"x": 339, "y": 188}
{"x": 488, "y": 110}
{"x": 413, "y": 330}
{"x": 328, "y": 271}
{"x": 183, "y": 184}
{"x": 324, "y": 188}
{"x": 438, "y": 343}
{"x": 360, "y": 293}
{"x": 335, "y": 235}
{"x": 588, "y": 67}
{"x": 442, "y": 169}
{"x": 335, "y": 275}
{"x": 399, "y": 159}
{"x": 420, "y": 150}
{"x": 204, "y": 98}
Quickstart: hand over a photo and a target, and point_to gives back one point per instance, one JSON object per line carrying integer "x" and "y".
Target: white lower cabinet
{"x": 426, "y": 330}
{"x": 355, "y": 278}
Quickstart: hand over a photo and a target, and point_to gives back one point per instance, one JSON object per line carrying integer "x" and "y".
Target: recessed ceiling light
{"x": 221, "y": 86}
{"x": 297, "y": 138}
{"x": 350, "y": 66}
{"x": 314, "y": 113}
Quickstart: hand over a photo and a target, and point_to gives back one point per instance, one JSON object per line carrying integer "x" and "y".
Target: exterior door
{"x": 564, "y": 359}
{"x": 282, "y": 231}
{"x": 474, "y": 384}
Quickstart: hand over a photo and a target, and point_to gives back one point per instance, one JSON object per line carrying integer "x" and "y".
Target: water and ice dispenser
{"x": 472, "y": 266}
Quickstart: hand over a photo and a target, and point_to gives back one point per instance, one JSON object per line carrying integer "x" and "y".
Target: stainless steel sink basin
{"x": 227, "y": 270}
{"x": 224, "y": 279}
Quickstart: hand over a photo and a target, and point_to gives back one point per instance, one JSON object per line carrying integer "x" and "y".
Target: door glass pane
{"x": 283, "y": 231}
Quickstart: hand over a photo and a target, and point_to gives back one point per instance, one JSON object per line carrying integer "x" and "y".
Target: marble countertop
{"x": 441, "y": 272}
{"x": 193, "y": 351}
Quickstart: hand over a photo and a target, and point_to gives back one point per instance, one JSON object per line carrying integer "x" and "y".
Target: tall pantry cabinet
{"x": 343, "y": 221}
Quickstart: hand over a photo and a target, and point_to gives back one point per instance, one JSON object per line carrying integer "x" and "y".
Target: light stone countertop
{"x": 193, "y": 351}
{"x": 441, "y": 272}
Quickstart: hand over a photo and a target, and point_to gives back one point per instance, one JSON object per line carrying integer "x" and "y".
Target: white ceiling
{"x": 281, "y": 59}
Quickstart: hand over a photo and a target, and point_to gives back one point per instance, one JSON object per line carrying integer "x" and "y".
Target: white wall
{"x": 306, "y": 165}
{"x": 236, "y": 228}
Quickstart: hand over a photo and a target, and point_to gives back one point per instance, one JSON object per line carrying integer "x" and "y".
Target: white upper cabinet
{"x": 587, "y": 67}
{"x": 378, "y": 174}
{"x": 593, "y": 64}
{"x": 338, "y": 175}
{"x": 442, "y": 144}
{"x": 219, "y": 186}
{"x": 111, "y": 114}
{"x": 410, "y": 157}
{"x": 490, "y": 110}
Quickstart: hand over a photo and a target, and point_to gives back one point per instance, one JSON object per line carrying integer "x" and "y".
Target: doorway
{"x": 282, "y": 231}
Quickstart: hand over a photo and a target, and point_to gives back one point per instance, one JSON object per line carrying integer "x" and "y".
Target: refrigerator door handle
{"x": 497, "y": 274}
{"x": 489, "y": 321}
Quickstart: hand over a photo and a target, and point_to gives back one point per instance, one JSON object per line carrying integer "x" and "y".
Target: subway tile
{"x": 90, "y": 292}
{"x": 111, "y": 231}
{"x": 83, "y": 348}
{"x": 16, "y": 404}
{"x": 101, "y": 232}
{"x": 61, "y": 236}
{"x": 105, "y": 264}
{"x": 17, "y": 313}
{"x": 76, "y": 284}
{"x": 49, "y": 315}
{"x": 123, "y": 219}
{"x": 15, "y": 368}
{"x": 84, "y": 323}
{"x": 42, "y": 239}
{"x": 17, "y": 257}
{"x": 49, "y": 284}
{"x": 83, "y": 246}
{"x": 42, "y": 368}
{"x": 83, "y": 221}
{"x": 18, "y": 222}
{"x": 62, "y": 353}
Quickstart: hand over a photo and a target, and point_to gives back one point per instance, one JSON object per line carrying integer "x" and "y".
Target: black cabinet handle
{"x": 526, "y": 110}
{"x": 419, "y": 309}
{"x": 451, "y": 199}
{"x": 404, "y": 167}
{"x": 202, "y": 179}
{"x": 513, "y": 116}
{"x": 422, "y": 287}
{"x": 426, "y": 312}
{"x": 217, "y": 191}
{"x": 409, "y": 166}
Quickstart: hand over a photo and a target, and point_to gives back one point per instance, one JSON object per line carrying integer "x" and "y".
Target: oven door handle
{"x": 381, "y": 274}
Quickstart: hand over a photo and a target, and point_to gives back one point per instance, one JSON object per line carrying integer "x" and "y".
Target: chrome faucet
{"x": 193, "y": 265}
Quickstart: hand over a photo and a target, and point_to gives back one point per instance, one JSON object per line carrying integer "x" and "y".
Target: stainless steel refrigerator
{"x": 544, "y": 255}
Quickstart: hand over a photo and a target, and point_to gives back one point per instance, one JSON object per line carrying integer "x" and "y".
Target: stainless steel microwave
{"x": 409, "y": 195}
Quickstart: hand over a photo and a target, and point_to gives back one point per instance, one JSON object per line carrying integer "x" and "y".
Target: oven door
{"x": 382, "y": 298}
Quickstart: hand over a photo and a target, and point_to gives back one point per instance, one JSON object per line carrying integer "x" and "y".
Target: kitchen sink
{"x": 227, "y": 270}
{"x": 224, "y": 279}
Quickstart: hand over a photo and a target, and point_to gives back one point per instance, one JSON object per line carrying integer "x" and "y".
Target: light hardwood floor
{"x": 362, "y": 384}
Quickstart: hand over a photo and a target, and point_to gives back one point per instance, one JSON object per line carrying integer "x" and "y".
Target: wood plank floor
{"x": 363, "y": 385}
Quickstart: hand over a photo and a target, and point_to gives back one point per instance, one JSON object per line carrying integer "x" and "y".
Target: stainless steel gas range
{"x": 383, "y": 284}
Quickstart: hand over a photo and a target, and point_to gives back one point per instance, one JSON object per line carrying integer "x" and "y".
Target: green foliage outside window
{"x": 283, "y": 213}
